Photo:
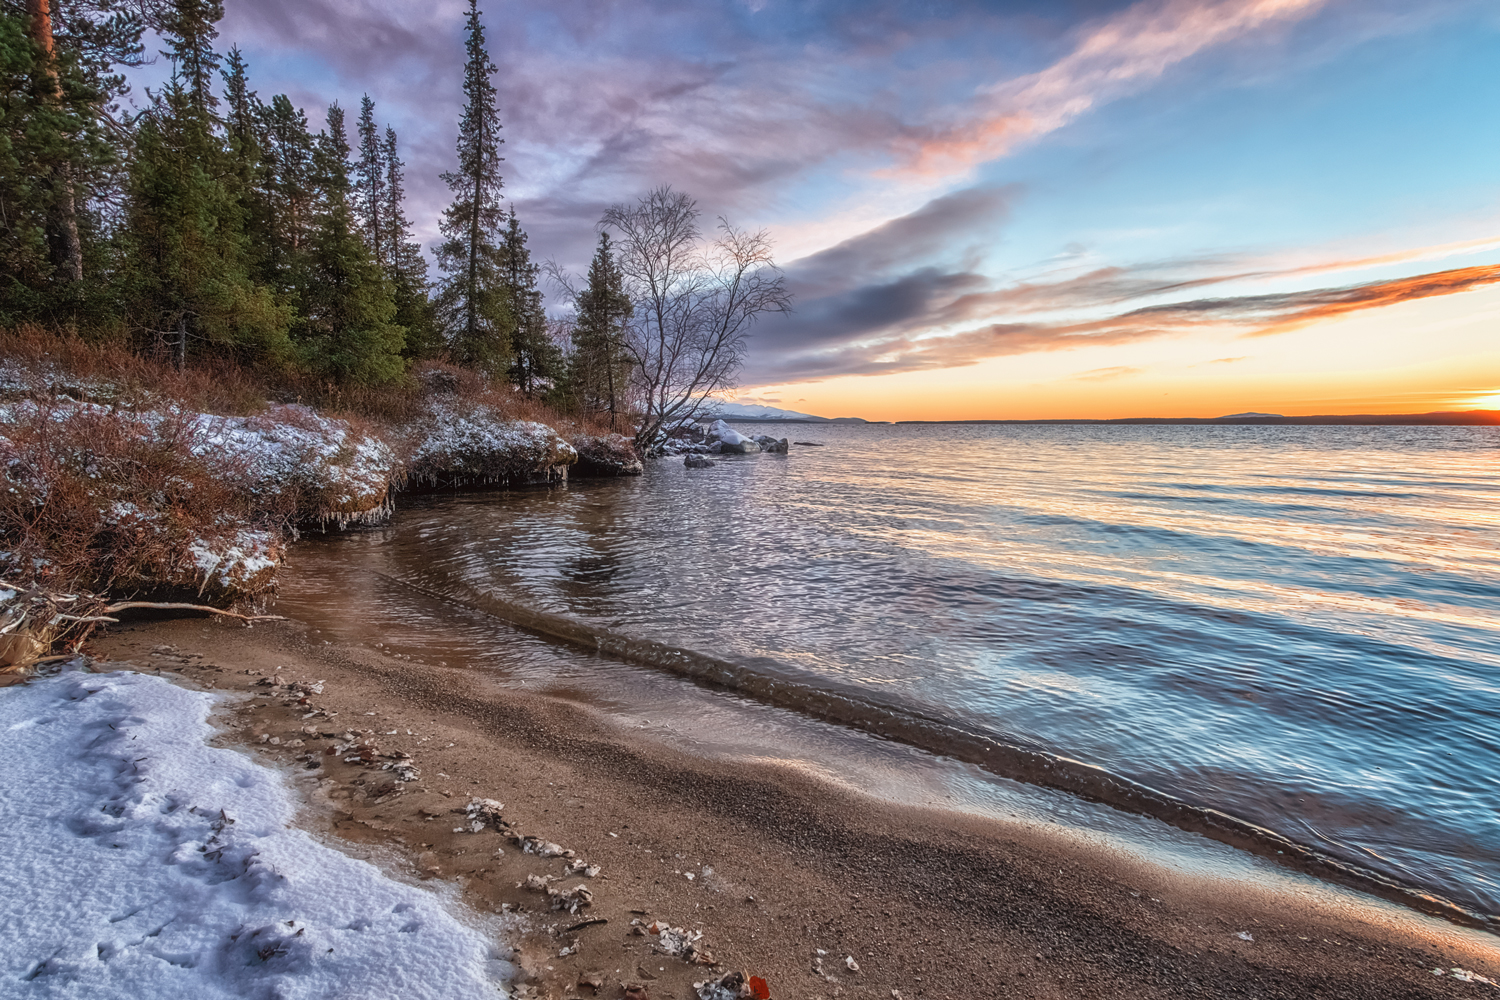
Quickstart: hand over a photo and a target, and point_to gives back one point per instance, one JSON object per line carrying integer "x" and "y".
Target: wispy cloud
{"x": 1106, "y": 374}
{"x": 900, "y": 337}
{"x": 1114, "y": 57}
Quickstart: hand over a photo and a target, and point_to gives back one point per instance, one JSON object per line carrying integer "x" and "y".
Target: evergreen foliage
{"x": 598, "y": 371}
{"x": 190, "y": 32}
{"x": 184, "y": 273}
{"x": 216, "y": 224}
{"x": 370, "y": 180}
{"x": 53, "y": 153}
{"x": 404, "y": 263}
{"x": 345, "y": 333}
{"x": 472, "y": 304}
{"x": 536, "y": 359}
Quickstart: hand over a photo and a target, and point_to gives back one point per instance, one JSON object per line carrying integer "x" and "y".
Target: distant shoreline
{"x": 1449, "y": 418}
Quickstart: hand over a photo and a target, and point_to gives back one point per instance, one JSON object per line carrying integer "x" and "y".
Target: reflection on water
{"x": 1293, "y": 625}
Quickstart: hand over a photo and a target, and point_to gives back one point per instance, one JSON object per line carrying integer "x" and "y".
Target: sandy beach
{"x": 819, "y": 891}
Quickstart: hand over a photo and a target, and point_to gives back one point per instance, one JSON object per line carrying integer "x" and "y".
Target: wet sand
{"x": 792, "y": 877}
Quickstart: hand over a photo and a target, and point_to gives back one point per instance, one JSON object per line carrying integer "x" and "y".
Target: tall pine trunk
{"x": 62, "y": 220}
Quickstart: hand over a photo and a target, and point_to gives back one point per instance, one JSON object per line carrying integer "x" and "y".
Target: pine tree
{"x": 472, "y": 307}
{"x": 61, "y": 169}
{"x": 346, "y": 332}
{"x": 598, "y": 370}
{"x": 369, "y": 183}
{"x": 56, "y": 166}
{"x": 536, "y": 358}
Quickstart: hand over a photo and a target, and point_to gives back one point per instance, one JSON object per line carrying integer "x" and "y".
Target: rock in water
{"x": 772, "y": 446}
{"x": 697, "y": 462}
{"x": 732, "y": 441}
{"x": 460, "y": 444}
{"x": 606, "y": 456}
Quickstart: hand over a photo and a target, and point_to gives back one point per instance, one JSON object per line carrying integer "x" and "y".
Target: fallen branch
{"x": 176, "y": 606}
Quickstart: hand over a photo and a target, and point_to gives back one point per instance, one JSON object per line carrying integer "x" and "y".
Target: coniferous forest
{"x": 209, "y": 221}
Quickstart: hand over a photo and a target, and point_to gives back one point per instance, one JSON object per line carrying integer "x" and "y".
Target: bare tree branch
{"x": 694, "y": 305}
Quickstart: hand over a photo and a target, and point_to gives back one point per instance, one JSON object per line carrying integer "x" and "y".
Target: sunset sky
{"x": 1008, "y": 209}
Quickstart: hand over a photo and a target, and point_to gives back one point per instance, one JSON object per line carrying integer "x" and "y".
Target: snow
{"x": 473, "y": 442}
{"x": 238, "y": 564}
{"x": 288, "y": 446}
{"x": 726, "y": 434}
{"x": 757, "y": 411}
{"x": 291, "y": 445}
{"x": 141, "y": 862}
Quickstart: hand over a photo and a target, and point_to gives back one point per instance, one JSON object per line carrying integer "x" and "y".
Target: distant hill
{"x": 754, "y": 411}
{"x": 1440, "y": 418}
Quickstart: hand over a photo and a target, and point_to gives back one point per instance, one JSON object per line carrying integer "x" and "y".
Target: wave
{"x": 771, "y": 683}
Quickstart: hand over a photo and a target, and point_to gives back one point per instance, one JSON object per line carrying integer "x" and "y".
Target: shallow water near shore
{"x": 1291, "y": 626}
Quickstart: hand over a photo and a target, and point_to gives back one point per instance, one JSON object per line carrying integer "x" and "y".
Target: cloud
{"x": 949, "y": 225}
{"x": 1229, "y": 361}
{"x": 903, "y": 333}
{"x": 1114, "y": 57}
{"x": 1105, "y": 374}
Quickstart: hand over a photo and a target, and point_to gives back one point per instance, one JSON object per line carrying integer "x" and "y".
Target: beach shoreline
{"x": 784, "y": 866}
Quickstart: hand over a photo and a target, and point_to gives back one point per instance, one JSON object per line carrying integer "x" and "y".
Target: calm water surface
{"x": 1294, "y": 625}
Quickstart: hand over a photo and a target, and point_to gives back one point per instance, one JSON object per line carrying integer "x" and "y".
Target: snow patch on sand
{"x": 141, "y": 862}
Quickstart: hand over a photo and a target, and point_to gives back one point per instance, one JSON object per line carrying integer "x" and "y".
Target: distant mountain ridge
{"x": 1440, "y": 418}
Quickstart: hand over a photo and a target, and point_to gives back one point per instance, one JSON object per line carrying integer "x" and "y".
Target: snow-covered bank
{"x": 141, "y": 862}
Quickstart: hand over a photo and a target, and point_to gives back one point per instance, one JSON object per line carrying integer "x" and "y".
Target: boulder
{"x": 730, "y": 440}
{"x": 605, "y": 456}
{"x": 465, "y": 445}
{"x": 693, "y": 461}
{"x": 770, "y": 445}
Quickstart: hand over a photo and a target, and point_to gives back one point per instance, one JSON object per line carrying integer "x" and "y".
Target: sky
{"x": 1006, "y": 209}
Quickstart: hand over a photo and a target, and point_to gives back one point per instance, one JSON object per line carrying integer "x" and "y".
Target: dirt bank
{"x": 787, "y": 878}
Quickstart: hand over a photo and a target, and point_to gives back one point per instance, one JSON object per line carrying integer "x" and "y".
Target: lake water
{"x": 1284, "y": 636}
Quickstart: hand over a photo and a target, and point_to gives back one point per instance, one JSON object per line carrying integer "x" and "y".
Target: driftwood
{"x": 110, "y": 609}
{"x": 34, "y": 620}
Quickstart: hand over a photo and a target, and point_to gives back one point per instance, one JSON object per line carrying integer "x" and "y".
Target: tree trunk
{"x": 62, "y": 224}
{"x": 179, "y": 352}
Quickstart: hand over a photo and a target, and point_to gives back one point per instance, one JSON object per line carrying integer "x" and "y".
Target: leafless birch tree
{"x": 694, "y": 305}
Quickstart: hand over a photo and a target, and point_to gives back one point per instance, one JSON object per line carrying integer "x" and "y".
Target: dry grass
{"x": 108, "y": 501}
{"x": 104, "y": 481}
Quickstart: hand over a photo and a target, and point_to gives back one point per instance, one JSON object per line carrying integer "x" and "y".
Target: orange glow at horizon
{"x": 1417, "y": 356}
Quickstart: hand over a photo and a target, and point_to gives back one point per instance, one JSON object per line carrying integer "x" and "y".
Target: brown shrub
{"x": 111, "y": 500}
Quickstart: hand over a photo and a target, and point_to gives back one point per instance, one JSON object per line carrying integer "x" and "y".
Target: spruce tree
{"x": 184, "y": 273}
{"x": 290, "y": 189}
{"x": 240, "y": 109}
{"x": 369, "y": 183}
{"x": 471, "y": 305}
{"x": 243, "y": 116}
{"x": 598, "y": 370}
{"x": 405, "y": 264}
{"x": 535, "y": 360}
{"x": 345, "y": 333}
{"x": 189, "y": 29}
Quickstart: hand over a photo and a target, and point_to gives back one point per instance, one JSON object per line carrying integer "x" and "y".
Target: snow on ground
{"x": 474, "y": 443}
{"x": 292, "y": 444}
{"x": 141, "y": 862}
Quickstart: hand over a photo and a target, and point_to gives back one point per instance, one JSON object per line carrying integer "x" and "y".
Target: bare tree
{"x": 694, "y": 305}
